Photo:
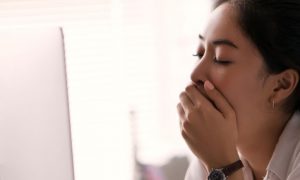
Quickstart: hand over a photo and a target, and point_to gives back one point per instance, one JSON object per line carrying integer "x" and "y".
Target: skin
{"x": 237, "y": 114}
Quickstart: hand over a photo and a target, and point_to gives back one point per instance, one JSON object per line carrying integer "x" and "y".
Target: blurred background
{"x": 127, "y": 62}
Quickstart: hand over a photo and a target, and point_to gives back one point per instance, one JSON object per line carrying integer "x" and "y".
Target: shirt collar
{"x": 285, "y": 146}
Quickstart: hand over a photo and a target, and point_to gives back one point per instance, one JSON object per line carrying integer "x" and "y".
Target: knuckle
{"x": 190, "y": 115}
{"x": 186, "y": 125}
{"x": 182, "y": 95}
{"x": 199, "y": 105}
{"x": 183, "y": 134}
{"x": 178, "y": 107}
{"x": 188, "y": 88}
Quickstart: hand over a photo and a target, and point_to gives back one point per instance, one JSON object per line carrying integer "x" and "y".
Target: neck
{"x": 259, "y": 148}
{"x": 258, "y": 156}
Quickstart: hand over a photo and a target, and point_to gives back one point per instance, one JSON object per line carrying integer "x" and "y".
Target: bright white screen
{"x": 35, "y": 139}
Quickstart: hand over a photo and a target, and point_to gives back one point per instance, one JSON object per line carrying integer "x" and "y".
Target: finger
{"x": 184, "y": 123}
{"x": 186, "y": 102}
{"x": 198, "y": 98}
{"x": 181, "y": 114}
{"x": 218, "y": 99}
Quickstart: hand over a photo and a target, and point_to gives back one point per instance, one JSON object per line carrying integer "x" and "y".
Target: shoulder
{"x": 285, "y": 161}
{"x": 294, "y": 166}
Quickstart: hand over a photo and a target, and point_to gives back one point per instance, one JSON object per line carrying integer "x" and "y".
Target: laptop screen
{"x": 35, "y": 136}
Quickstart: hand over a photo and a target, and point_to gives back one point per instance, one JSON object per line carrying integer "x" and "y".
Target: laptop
{"x": 35, "y": 135}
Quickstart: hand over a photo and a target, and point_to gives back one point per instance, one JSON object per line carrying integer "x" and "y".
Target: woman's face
{"x": 233, "y": 64}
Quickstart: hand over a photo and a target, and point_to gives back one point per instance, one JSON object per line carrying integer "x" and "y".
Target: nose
{"x": 200, "y": 73}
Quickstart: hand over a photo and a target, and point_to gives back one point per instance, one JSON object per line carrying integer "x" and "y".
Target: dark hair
{"x": 274, "y": 27}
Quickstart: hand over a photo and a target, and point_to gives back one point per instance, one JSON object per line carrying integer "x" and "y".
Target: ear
{"x": 284, "y": 85}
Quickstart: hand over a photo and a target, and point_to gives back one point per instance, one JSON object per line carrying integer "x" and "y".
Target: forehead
{"x": 223, "y": 23}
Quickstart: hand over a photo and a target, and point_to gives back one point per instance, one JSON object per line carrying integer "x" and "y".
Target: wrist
{"x": 230, "y": 171}
{"x": 222, "y": 162}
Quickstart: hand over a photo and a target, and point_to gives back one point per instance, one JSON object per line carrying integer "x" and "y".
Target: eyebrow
{"x": 219, "y": 42}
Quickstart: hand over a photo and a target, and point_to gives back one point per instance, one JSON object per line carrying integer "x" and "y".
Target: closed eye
{"x": 215, "y": 60}
{"x": 221, "y": 62}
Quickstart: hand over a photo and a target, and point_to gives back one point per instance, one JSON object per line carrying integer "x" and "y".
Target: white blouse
{"x": 284, "y": 164}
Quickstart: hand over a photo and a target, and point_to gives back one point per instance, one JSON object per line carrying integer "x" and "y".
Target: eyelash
{"x": 215, "y": 60}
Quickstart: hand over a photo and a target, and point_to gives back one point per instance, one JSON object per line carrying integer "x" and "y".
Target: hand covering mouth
{"x": 200, "y": 86}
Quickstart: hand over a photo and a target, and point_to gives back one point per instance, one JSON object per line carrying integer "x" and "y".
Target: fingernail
{"x": 209, "y": 85}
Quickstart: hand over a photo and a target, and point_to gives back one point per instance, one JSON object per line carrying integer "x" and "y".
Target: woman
{"x": 240, "y": 114}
